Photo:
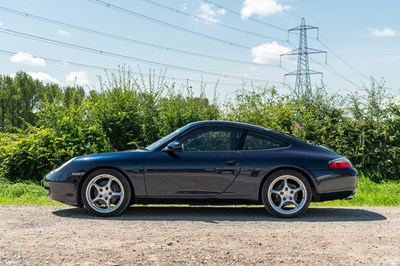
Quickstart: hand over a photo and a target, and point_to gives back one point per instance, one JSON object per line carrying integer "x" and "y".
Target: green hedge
{"x": 126, "y": 113}
{"x": 34, "y": 155}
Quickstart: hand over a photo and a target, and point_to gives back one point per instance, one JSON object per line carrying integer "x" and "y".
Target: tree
{"x": 27, "y": 88}
{"x": 3, "y": 102}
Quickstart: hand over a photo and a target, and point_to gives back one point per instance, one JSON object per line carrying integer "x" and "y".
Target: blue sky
{"x": 360, "y": 36}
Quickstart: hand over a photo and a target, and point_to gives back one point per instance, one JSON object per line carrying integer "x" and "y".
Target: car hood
{"x": 132, "y": 154}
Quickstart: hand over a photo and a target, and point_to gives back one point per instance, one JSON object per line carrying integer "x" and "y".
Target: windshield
{"x": 154, "y": 145}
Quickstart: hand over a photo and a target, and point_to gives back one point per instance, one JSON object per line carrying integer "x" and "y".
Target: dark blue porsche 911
{"x": 207, "y": 162}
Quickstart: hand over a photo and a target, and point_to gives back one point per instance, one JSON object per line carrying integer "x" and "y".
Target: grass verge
{"x": 368, "y": 193}
{"x": 24, "y": 193}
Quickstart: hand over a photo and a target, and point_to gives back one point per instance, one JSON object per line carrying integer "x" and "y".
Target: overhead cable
{"x": 238, "y": 13}
{"x": 70, "y": 63}
{"x": 121, "y": 38}
{"x": 135, "y": 14}
{"x": 213, "y": 22}
{"x": 126, "y": 57}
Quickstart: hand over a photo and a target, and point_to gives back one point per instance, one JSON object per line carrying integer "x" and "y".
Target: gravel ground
{"x": 198, "y": 235}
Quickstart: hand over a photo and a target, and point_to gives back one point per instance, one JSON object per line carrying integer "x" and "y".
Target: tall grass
{"x": 23, "y": 193}
{"x": 369, "y": 193}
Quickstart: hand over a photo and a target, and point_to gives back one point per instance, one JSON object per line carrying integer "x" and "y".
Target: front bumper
{"x": 62, "y": 187}
{"x": 61, "y": 191}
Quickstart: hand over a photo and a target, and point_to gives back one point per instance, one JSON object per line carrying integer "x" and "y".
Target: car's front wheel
{"x": 106, "y": 192}
{"x": 286, "y": 194}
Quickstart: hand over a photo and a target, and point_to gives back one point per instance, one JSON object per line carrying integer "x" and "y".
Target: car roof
{"x": 228, "y": 123}
{"x": 286, "y": 137}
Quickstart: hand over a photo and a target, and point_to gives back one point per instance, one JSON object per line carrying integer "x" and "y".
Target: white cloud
{"x": 268, "y": 52}
{"x": 64, "y": 33}
{"x": 221, "y": 11}
{"x": 78, "y": 78}
{"x": 385, "y": 32}
{"x": 209, "y": 14}
{"x": 394, "y": 58}
{"x": 27, "y": 59}
{"x": 43, "y": 77}
{"x": 1, "y": 24}
{"x": 185, "y": 7}
{"x": 262, "y": 8}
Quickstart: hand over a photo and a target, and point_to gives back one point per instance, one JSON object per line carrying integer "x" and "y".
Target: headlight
{"x": 63, "y": 165}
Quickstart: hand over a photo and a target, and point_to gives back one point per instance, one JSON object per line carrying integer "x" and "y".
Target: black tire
{"x": 106, "y": 193}
{"x": 286, "y": 194}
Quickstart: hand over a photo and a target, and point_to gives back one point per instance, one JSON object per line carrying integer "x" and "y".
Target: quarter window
{"x": 256, "y": 141}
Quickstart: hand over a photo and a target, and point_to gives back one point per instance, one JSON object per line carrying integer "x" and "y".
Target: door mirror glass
{"x": 173, "y": 146}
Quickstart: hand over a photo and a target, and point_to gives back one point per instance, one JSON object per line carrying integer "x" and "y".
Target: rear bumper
{"x": 331, "y": 185}
{"x": 334, "y": 195}
{"x": 351, "y": 196}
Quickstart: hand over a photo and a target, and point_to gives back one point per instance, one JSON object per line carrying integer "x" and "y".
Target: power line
{"x": 68, "y": 63}
{"x": 132, "y": 13}
{"x": 303, "y": 72}
{"x": 214, "y": 22}
{"x": 250, "y": 18}
{"x": 186, "y": 30}
{"x": 282, "y": 29}
{"x": 335, "y": 72}
{"x": 330, "y": 68}
{"x": 112, "y": 36}
{"x": 116, "y": 55}
{"x": 228, "y": 9}
{"x": 341, "y": 59}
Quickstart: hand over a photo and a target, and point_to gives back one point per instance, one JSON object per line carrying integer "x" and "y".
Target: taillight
{"x": 340, "y": 163}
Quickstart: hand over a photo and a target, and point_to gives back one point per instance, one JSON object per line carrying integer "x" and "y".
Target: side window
{"x": 255, "y": 141}
{"x": 211, "y": 139}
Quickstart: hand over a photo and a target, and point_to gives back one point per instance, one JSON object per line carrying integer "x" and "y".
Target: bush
{"x": 127, "y": 113}
{"x": 133, "y": 115}
{"x": 31, "y": 157}
{"x": 119, "y": 117}
{"x": 364, "y": 129}
{"x": 263, "y": 107}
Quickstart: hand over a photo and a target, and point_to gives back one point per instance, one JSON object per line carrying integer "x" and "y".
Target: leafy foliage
{"x": 68, "y": 122}
{"x": 364, "y": 129}
{"x": 46, "y": 124}
{"x": 34, "y": 155}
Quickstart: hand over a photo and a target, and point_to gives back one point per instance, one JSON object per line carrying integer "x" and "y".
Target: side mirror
{"x": 173, "y": 146}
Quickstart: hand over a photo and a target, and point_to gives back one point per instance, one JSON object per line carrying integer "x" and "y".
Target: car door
{"x": 208, "y": 163}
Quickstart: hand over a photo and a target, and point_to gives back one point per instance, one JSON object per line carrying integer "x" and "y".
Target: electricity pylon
{"x": 303, "y": 72}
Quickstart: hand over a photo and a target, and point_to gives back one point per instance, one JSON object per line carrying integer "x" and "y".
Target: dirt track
{"x": 198, "y": 235}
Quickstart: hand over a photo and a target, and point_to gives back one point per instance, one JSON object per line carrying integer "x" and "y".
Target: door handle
{"x": 232, "y": 162}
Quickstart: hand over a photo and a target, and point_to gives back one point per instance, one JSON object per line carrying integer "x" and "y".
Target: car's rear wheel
{"x": 106, "y": 192}
{"x": 286, "y": 194}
